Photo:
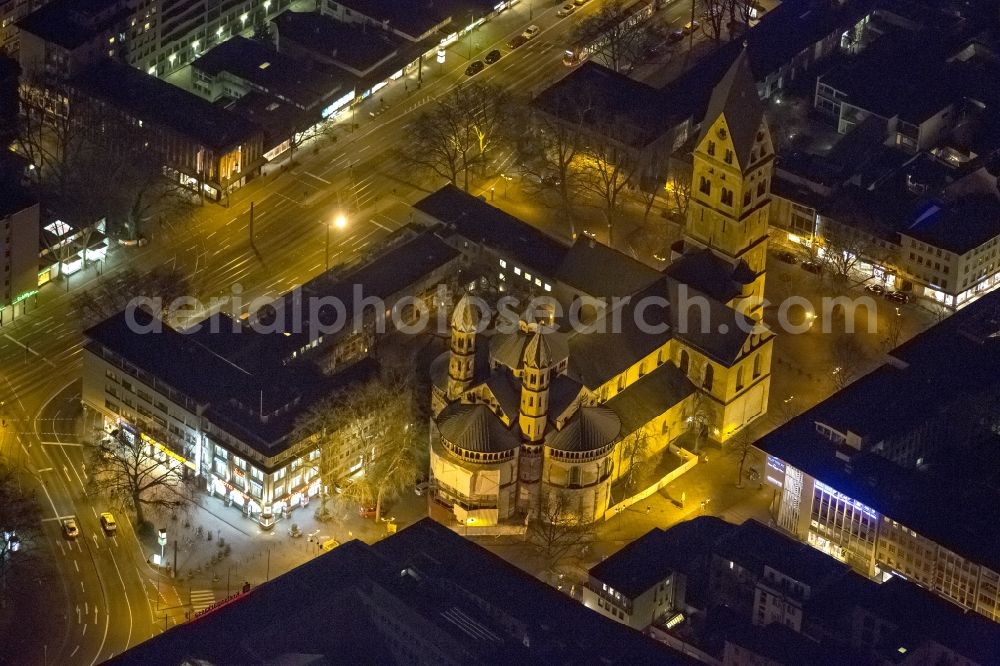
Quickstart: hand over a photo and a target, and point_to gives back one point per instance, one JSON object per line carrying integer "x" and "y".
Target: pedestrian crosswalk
{"x": 201, "y": 599}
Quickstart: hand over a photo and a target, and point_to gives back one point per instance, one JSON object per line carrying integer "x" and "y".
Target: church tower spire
{"x": 462, "y": 356}
{"x": 731, "y": 180}
{"x": 534, "y": 411}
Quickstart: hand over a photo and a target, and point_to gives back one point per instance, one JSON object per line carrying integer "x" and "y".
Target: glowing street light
{"x": 340, "y": 222}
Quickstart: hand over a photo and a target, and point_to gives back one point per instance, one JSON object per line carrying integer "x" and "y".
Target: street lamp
{"x": 340, "y": 222}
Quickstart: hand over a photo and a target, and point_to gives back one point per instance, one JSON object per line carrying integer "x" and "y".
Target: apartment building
{"x": 19, "y": 237}
{"x": 906, "y": 490}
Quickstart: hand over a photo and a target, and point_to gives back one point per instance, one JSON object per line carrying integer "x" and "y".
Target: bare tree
{"x": 635, "y": 454}
{"x": 124, "y": 470}
{"x": 114, "y": 291}
{"x": 608, "y": 166}
{"x": 849, "y": 360}
{"x": 714, "y": 18}
{"x": 893, "y": 330}
{"x": 558, "y": 527}
{"x": 372, "y": 425}
{"x": 457, "y": 134}
{"x": 19, "y": 526}
{"x": 620, "y": 37}
{"x": 742, "y": 444}
{"x": 548, "y": 152}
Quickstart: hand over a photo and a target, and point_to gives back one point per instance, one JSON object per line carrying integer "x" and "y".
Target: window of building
{"x": 685, "y": 361}
{"x": 756, "y": 366}
{"x": 706, "y": 383}
{"x": 729, "y": 157}
{"x": 727, "y": 197}
{"x": 739, "y": 378}
{"x": 711, "y": 148}
{"x": 705, "y": 186}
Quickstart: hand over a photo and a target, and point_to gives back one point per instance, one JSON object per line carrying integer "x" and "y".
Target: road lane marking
{"x": 322, "y": 180}
{"x": 201, "y": 599}
{"x": 74, "y": 650}
{"x": 76, "y": 566}
{"x": 81, "y": 585}
{"x": 61, "y": 444}
{"x": 47, "y": 469}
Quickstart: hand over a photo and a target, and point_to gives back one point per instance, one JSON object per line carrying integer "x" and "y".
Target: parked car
{"x": 70, "y": 528}
{"x": 517, "y": 41}
{"x": 675, "y": 35}
{"x": 421, "y": 488}
{"x": 108, "y": 523}
{"x": 493, "y": 56}
{"x": 691, "y": 26}
{"x": 474, "y": 68}
{"x": 329, "y": 544}
{"x": 566, "y": 10}
{"x": 531, "y": 31}
{"x": 812, "y": 267}
{"x": 786, "y": 256}
{"x": 898, "y": 297}
{"x": 875, "y": 289}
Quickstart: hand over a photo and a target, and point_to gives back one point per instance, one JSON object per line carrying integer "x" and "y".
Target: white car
{"x": 531, "y": 31}
{"x": 70, "y": 528}
{"x": 580, "y": 3}
{"x": 566, "y": 9}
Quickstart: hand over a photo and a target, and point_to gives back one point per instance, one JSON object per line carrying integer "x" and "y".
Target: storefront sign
{"x": 24, "y": 295}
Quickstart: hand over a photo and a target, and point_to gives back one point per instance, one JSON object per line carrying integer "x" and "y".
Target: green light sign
{"x": 24, "y": 296}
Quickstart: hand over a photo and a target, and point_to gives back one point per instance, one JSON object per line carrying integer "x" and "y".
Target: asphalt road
{"x": 109, "y": 598}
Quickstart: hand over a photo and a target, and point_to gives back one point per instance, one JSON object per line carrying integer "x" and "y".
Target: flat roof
{"x": 355, "y": 45}
{"x": 754, "y": 546}
{"x": 958, "y": 358}
{"x": 306, "y": 84}
{"x": 72, "y": 23}
{"x": 248, "y": 391}
{"x": 957, "y": 226}
{"x": 152, "y": 100}
{"x": 685, "y": 547}
{"x": 349, "y": 605}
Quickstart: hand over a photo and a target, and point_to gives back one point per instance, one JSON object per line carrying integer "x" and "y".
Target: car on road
{"x": 531, "y": 31}
{"x": 474, "y": 68}
{"x": 70, "y": 528}
{"x": 329, "y": 544}
{"x": 691, "y": 26}
{"x": 590, "y": 234}
{"x": 493, "y": 56}
{"x": 580, "y": 3}
{"x": 108, "y": 523}
{"x": 898, "y": 297}
{"x": 675, "y": 35}
{"x": 421, "y": 488}
{"x": 875, "y": 289}
{"x": 520, "y": 40}
{"x": 812, "y": 267}
{"x": 786, "y": 256}
{"x": 566, "y": 10}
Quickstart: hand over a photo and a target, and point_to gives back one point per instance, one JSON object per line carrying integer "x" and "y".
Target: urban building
{"x": 236, "y": 433}
{"x": 371, "y": 57}
{"x": 864, "y": 485}
{"x": 536, "y": 421}
{"x": 422, "y": 596}
{"x": 156, "y": 37}
{"x": 207, "y": 148}
{"x": 10, "y": 12}
{"x": 747, "y": 594}
{"x": 19, "y": 221}
{"x": 659, "y": 577}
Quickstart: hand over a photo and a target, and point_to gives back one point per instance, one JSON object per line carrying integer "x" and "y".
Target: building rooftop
{"x": 953, "y": 362}
{"x": 72, "y": 23}
{"x": 14, "y": 199}
{"x": 754, "y": 546}
{"x": 601, "y": 271}
{"x": 151, "y": 100}
{"x": 685, "y": 547}
{"x": 900, "y": 74}
{"x": 306, "y": 84}
{"x": 480, "y": 222}
{"x": 957, "y": 226}
{"x": 357, "y": 48}
{"x": 426, "y": 588}
{"x": 406, "y": 258}
{"x": 246, "y": 392}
